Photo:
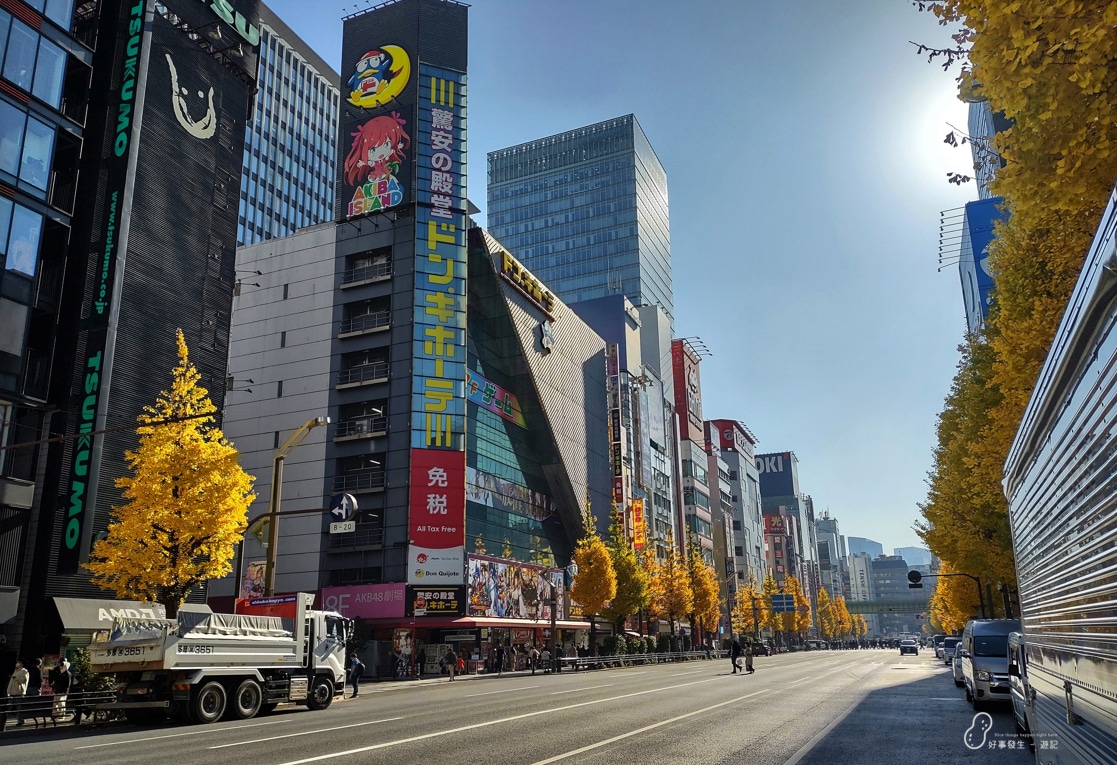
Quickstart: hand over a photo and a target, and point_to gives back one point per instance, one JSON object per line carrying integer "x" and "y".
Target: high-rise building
{"x": 831, "y": 555}
{"x": 861, "y": 586}
{"x": 290, "y": 148}
{"x": 699, "y": 488}
{"x": 916, "y": 556}
{"x": 586, "y": 211}
{"x": 721, "y": 508}
{"x": 642, "y": 452}
{"x": 859, "y": 545}
{"x": 890, "y": 585}
{"x": 738, "y": 450}
{"x": 127, "y": 121}
{"x": 469, "y": 429}
{"x": 780, "y": 495}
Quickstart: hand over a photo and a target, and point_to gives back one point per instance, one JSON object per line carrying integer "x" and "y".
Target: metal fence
{"x": 40, "y": 711}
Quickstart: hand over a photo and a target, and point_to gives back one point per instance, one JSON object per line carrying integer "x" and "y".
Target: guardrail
{"x": 579, "y": 663}
{"x": 50, "y": 709}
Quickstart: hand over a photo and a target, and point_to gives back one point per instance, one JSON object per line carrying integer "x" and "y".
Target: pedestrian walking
{"x": 60, "y": 682}
{"x": 34, "y": 690}
{"x": 422, "y": 661}
{"x": 451, "y": 660}
{"x": 748, "y": 659}
{"x": 533, "y": 657}
{"x": 356, "y": 672}
{"x": 499, "y": 659}
{"x": 559, "y": 655}
{"x": 735, "y": 655}
{"x": 545, "y": 657}
{"x": 17, "y": 690}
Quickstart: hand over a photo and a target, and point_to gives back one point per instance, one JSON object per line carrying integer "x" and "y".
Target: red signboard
{"x": 437, "y": 517}
{"x": 773, "y": 524}
{"x": 618, "y": 488}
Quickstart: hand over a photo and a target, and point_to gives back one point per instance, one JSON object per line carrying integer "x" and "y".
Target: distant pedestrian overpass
{"x": 917, "y": 606}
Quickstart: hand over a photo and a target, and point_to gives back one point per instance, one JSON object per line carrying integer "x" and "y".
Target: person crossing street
{"x": 735, "y": 655}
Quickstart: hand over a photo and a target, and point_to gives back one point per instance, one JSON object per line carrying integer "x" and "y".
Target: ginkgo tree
{"x": 632, "y": 578}
{"x": 187, "y": 500}
{"x": 705, "y": 606}
{"x": 670, "y": 596}
{"x": 595, "y": 585}
{"x": 749, "y": 611}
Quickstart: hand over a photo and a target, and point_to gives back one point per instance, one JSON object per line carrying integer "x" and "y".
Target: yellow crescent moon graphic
{"x": 401, "y": 71}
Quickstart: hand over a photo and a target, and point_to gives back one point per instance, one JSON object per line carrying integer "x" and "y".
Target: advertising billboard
{"x": 437, "y": 517}
{"x": 367, "y": 601}
{"x": 493, "y": 491}
{"x": 165, "y": 193}
{"x": 639, "y": 529}
{"x": 435, "y": 601}
{"x": 778, "y": 474}
{"x": 688, "y": 392}
{"x": 512, "y": 590}
{"x": 488, "y": 395}
{"x": 376, "y": 126}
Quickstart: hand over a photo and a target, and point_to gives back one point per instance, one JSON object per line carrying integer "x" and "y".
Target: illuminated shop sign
{"x": 639, "y": 529}
{"x": 496, "y": 399}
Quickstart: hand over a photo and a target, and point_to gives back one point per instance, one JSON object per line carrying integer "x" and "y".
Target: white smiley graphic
{"x": 203, "y": 128}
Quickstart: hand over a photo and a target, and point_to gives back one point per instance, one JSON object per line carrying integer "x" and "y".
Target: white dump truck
{"x": 203, "y": 666}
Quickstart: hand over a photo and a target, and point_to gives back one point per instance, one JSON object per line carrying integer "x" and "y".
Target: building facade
{"x": 699, "y": 498}
{"x": 861, "y": 587}
{"x": 642, "y": 454}
{"x": 586, "y": 210}
{"x": 781, "y": 496}
{"x": 899, "y": 607}
{"x": 738, "y": 445}
{"x": 857, "y": 545}
{"x": 112, "y": 255}
{"x": 831, "y": 556}
{"x": 290, "y": 148}
{"x": 916, "y": 556}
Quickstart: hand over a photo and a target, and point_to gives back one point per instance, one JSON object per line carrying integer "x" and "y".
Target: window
{"x": 739, "y": 551}
{"x": 275, "y": 441}
{"x": 285, "y": 286}
{"x": 279, "y": 389}
{"x": 38, "y": 143}
{"x": 283, "y": 339}
{"x": 5, "y": 220}
{"x": 11, "y": 137}
{"x": 19, "y": 59}
{"x": 49, "y": 73}
{"x": 23, "y": 240}
{"x": 61, "y": 12}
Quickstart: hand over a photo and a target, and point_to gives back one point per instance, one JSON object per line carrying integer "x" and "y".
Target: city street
{"x": 861, "y": 707}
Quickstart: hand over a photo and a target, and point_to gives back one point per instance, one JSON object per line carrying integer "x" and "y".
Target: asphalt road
{"x": 856, "y": 707}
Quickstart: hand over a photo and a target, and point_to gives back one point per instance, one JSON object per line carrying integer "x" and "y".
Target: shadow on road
{"x": 918, "y": 720}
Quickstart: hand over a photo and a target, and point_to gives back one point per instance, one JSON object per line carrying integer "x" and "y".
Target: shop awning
{"x": 91, "y": 614}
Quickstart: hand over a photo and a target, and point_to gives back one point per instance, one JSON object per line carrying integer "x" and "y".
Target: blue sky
{"x": 802, "y": 141}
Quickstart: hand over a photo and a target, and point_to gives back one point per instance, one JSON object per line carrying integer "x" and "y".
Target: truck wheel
{"x": 247, "y": 700}
{"x": 321, "y": 693}
{"x": 209, "y": 702}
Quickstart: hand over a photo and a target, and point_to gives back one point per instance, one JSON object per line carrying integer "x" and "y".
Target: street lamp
{"x": 277, "y": 493}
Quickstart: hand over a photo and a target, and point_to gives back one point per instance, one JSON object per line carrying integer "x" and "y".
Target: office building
{"x": 642, "y": 451}
{"x": 900, "y": 607}
{"x": 780, "y": 496}
{"x": 916, "y": 556}
{"x": 125, "y": 123}
{"x": 861, "y": 587}
{"x": 586, "y": 211}
{"x": 721, "y": 509}
{"x": 858, "y": 545}
{"x": 469, "y": 426}
{"x": 738, "y": 451}
{"x": 974, "y": 272}
{"x": 697, "y": 484}
{"x": 290, "y": 148}
{"x": 831, "y": 556}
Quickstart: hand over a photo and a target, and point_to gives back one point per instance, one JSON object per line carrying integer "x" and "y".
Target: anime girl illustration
{"x": 377, "y": 150}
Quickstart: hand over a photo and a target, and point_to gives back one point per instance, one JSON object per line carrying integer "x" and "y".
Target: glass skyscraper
{"x": 289, "y": 153}
{"x": 586, "y": 212}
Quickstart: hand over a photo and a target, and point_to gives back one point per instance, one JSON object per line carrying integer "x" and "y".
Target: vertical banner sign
{"x": 437, "y": 501}
{"x": 118, "y": 169}
{"x": 639, "y": 532}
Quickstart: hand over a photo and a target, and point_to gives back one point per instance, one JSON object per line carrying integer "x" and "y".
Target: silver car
{"x": 948, "y": 647}
{"x": 959, "y": 678}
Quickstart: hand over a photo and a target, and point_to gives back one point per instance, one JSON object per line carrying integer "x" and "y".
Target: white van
{"x": 984, "y": 652}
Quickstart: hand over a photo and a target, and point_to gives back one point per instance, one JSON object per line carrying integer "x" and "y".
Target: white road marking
{"x": 801, "y": 680}
{"x": 691, "y": 672}
{"x": 575, "y": 690}
{"x": 945, "y": 698}
{"x": 475, "y": 726}
{"x": 506, "y": 690}
{"x": 303, "y": 733}
{"x": 645, "y": 729}
{"x": 177, "y": 735}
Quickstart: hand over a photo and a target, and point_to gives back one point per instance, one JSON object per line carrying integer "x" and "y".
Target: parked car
{"x": 936, "y": 644}
{"x": 909, "y": 646}
{"x": 956, "y": 665}
{"x": 1023, "y": 711}
{"x": 760, "y": 649}
{"x": 948, "y": 647}
{"x": 984, "y": 652}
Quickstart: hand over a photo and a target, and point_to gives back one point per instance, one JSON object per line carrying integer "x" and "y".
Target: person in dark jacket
{"x": 735, "y": 655}
{"x": 34, "y": 690}
{"x": 60, "y": 682}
